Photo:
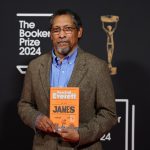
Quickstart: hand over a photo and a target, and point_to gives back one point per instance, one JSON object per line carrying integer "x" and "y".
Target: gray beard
{"x": 63, "y": 51}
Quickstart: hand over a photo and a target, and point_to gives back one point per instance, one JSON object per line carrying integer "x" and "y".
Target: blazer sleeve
{"x": 105, "y": 117}
{"x": 26, "y": 106}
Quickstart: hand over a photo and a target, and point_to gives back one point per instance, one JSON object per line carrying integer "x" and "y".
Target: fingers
{"x": 50, "y": 123}
{"x": 64, "y": 130}
{"x": 43, "y": 126}
{"x": 43, "y": 123}
{"x": 70, "y": 135}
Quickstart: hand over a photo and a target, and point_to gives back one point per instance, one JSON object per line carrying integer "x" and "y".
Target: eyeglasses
{"x": 66, "y": 29}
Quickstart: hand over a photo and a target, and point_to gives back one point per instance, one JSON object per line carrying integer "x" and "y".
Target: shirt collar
{"x": 69, "y": 58}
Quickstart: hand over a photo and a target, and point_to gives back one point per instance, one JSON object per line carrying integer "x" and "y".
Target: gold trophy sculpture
{"x": 109, "y": 24}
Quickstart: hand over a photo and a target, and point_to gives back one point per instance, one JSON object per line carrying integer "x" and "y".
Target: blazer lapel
{"x": 45, "y": 74}
{"x": 79, "y": 70}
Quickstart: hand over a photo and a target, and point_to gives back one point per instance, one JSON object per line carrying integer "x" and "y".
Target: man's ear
{"x": 80, "y": 31}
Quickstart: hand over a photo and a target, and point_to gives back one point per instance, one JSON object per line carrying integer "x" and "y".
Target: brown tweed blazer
{"x": 97, "y": 102}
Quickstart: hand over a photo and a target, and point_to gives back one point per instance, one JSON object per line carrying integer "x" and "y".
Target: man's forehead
{"x": 63, "y": 20}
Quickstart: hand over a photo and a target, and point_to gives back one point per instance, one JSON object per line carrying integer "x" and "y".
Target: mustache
{"x": 63, "y": 41}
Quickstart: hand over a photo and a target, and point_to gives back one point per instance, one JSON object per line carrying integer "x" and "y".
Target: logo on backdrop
{"x": 29, "y": 38}
{"x": 32, "y": 34}
{"x": 109, "y": 25}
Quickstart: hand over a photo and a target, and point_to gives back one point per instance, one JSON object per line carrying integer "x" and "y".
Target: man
{"x": 68, "y": 66}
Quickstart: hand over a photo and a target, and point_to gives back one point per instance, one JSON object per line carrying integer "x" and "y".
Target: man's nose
{"x": 62, "y": 33}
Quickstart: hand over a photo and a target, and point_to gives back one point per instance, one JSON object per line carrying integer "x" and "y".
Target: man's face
{"x": 64, "y": 34}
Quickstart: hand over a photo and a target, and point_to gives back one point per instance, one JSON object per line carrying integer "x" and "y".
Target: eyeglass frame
{"x": 69, "y": 31}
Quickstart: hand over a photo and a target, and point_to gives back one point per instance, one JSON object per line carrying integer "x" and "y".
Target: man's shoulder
{"x": 95, "y": 64}
{"x": 43, "y": 59}
{"x": 92, "y": 59}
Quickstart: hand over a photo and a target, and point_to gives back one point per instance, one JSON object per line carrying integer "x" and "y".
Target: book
{"x": 64, "y": 107}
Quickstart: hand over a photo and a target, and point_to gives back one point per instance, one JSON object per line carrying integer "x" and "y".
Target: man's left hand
{"x": 69, "y": 135}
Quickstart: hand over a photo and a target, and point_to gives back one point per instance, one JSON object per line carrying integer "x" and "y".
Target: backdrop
{"x": 24, "y": 35}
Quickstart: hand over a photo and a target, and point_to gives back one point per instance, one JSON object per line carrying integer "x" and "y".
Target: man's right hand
{"x": 44, "y": 123}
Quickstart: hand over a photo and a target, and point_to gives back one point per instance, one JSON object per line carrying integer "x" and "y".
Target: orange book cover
{"x": 64, "y": 106}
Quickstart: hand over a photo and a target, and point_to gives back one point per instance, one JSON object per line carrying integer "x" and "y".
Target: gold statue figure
{"x": 107, "y": 22}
